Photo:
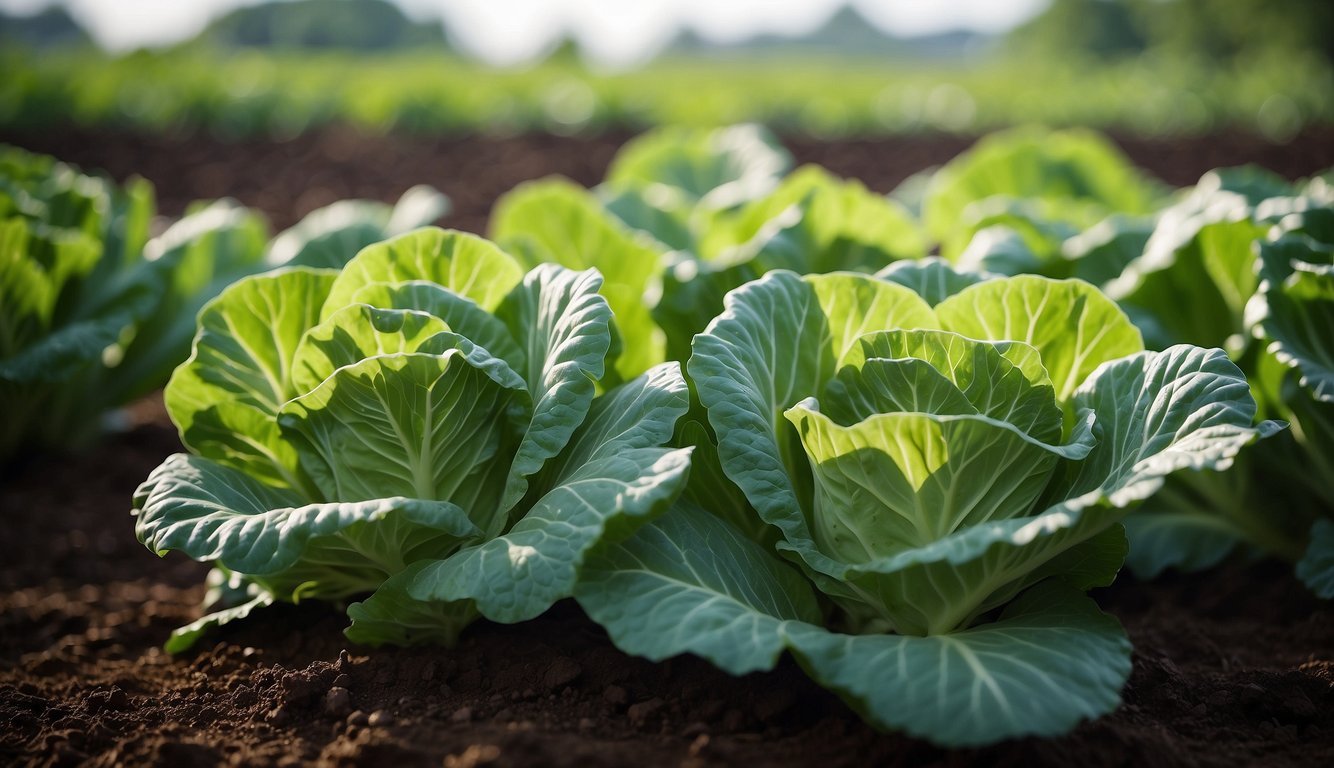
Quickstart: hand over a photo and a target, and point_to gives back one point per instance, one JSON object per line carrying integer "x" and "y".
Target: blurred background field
{"x": 1135, "y": 67}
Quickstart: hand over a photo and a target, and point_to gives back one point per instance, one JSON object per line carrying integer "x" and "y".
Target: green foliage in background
{"x": 1239, "y": 262}
{"x": 249, "y": 93}
{"x": 1211, "y": 30}
{"x": 94, "y": 313}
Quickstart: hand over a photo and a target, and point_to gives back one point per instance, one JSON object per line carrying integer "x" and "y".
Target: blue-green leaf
{"x": 565, "y": 326}
{"x": 1050, "y": 661}
{"x": 1316, "y": 568}
{"x": 215, "y": 513}
{"x": 660, "y": 594}
{"x": 611, "y": 479}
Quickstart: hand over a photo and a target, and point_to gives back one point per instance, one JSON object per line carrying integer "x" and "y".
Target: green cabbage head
{"x": 945, "y": 460}
{"x": 427, "y": 413}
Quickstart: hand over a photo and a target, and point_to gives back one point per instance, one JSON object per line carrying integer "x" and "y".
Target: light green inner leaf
{"x": 356, "y": 332}
{"x": 417, "y": 425}
{"x": 460, "y": 314}
{"x": 1074, "y": 327}
{"x": 984, "y": 374}
{"x": 896, "y": 481}
{"x": 464, "y": 264}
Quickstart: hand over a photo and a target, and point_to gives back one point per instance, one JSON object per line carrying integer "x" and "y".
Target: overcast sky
{"x": 611, "y": 31}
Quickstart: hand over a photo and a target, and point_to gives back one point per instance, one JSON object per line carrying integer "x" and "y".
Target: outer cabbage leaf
{"x": 709, "y": 486}
{"x": 1159, "y": 413}
{"x": 1316, "y": 567}
{"x": 183, "y": 638}
{"x": 611, "y": 478}
{"x": 1050, "y": 660}
{"x": 1185, "y": 541}
{"x": 1299, "y": 317}
{"x": 660, "y": 593}
{"x": 567, "y": 329}
{"x": 289, "y": 547}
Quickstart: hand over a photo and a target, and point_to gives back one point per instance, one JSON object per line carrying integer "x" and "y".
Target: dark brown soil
{"x": 1231, "y": 668}
{"x": 288, "y": 179}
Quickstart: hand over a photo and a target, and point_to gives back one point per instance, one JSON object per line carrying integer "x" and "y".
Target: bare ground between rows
{"x": 1231, "y": 668}
{"x": 288, "y": 179}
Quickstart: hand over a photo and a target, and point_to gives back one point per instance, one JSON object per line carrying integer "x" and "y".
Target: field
{"x": 253, "y": 94}
{"x": 1231, "y": 666}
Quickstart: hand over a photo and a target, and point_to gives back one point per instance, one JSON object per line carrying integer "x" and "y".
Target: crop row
{"x": 257, "y": 93}
{"x": 733, "y": 409}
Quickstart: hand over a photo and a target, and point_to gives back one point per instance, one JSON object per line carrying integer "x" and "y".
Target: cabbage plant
{"x": 1211, "y": 269}
{"x": 72, "y": 291}
{"x": 941, "y": 461}
{"x": 686, "y": 215}
{"x": 94, "y": 313}
{"x": 664, "y": 193}
{"x": 422, "y": 423}
{"x": 1292, "y": 313}
{"x": 1238, "y": 262}
{"x": 1042, "y": 185}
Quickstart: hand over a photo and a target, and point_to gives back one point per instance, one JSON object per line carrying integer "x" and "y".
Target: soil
{"x": 1231, "y": 668}
{"x": 288, "y": 179}
{"x": 1234, "y": 667}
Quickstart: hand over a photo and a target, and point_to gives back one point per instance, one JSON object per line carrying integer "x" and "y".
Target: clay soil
{"x": 1234, "y": 667}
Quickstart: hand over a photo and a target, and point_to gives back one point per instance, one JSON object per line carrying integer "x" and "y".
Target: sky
{"x": 612, "y": 32}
